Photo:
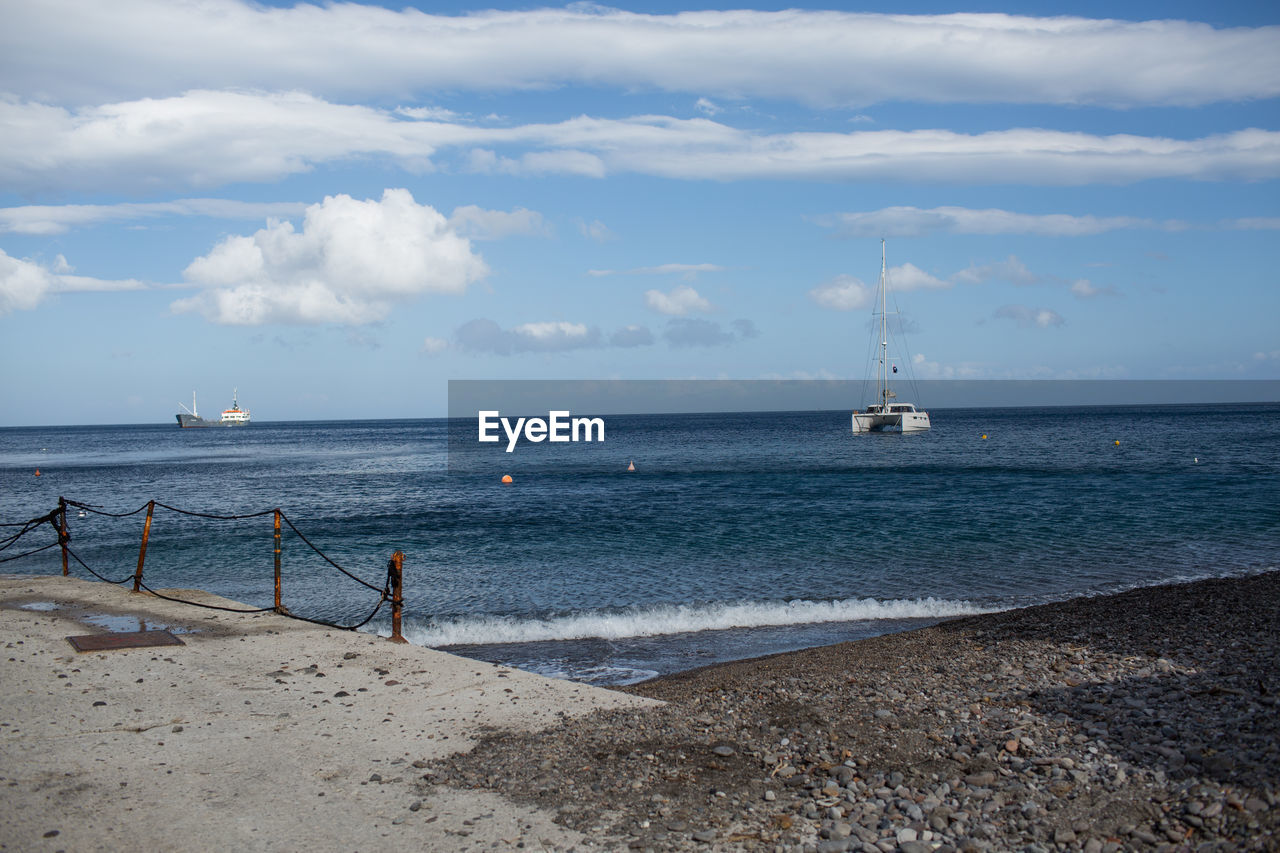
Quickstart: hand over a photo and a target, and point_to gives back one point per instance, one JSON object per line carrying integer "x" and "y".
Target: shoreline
{"x": 1136, "y": 721}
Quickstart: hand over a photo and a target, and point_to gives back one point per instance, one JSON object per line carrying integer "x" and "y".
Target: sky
{"x": 337, "y": 208}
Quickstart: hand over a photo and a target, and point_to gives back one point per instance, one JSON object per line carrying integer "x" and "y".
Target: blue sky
{"x": 337, "y": 208}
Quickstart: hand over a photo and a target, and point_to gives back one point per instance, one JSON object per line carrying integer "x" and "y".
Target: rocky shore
{"x": 1140, "y": 721}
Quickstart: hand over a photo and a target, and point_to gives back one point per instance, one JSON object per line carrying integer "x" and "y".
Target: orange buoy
{"x": 632, "y": 466}
{"x": 1117, "y": 442}
{"x": 506, "y": 478}
{"x": 984, "y": 436}
{"x": 37, "y": 472}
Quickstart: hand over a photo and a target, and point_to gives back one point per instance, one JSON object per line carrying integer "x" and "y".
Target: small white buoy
{"x": 1195, "y": 459}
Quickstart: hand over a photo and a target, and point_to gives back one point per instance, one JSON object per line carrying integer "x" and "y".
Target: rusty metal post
{"x": 397, "y": 595}
{"x": 279, "y": 606}
{"x": 142, "y": 550}
{"x": 62, "y": 533}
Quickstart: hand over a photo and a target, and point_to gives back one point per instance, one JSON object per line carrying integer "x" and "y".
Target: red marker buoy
{"x": 37, "y": 472}
{"x": 632, "y": 466}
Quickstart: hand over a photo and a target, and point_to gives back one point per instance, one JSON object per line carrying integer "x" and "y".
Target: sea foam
{"x": 659, "y": 620}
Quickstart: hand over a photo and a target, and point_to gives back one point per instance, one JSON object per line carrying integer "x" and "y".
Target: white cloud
{"x": 925, "y": 369}
{"x": 595, "y": 230}
{"x": 428, "y": 113}
{"x": 205, "y": 138}
{"x": 1254, "y": 223}
{"x": 349, "y": 264}
{"x": 1084, "y": 288}
{"x": 842, "y": 293}
{"x": 1027, "y": 317}
{"x": 680, "y": 301}
{"x": 910, "y": 277}
{"x": 686, "y": 271}
{"x": 55, "y": 50}
{"x": 485, "y": 336}
{"x": 707, "y": 107}
{"x": 480, "y": 224}
{"x": 848, "y": 293}
{"x": 58, "y": 219}
{"x": 22, "y": 284}
{"x": 1011, "y": 269}
{"x": 917, "y": 222}
{"x": 431, "y": 346}
{"x": 25, "y": 283}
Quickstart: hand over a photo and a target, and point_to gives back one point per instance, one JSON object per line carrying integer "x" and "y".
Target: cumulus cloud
{"x": 25, "y": 283}
{"x": 480, "y": 224}
{"x": 842, "y": 293}
{"x": 431, "y": 346}
{"x": 22, "y": 284}
{"x": 680, "y": 301}
{"x": 204, "y": 138}
{"x": 820, "y": 57}
{"x": 349, "y": 264}
{"x": 1028, "y": 318}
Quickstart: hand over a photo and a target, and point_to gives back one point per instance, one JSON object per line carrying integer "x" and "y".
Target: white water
{"x": 677, "y": 619}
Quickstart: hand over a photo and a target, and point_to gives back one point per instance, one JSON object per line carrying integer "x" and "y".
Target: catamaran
{"x": 887, "y": 413}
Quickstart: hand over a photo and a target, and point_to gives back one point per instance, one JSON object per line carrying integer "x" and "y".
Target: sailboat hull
{"x": 893, "y": 422}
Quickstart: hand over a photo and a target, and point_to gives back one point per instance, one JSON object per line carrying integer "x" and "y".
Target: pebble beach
{"x": 1140, "y": 721}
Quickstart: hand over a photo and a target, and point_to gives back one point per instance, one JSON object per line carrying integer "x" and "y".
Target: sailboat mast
{"x": 884, "y": 338}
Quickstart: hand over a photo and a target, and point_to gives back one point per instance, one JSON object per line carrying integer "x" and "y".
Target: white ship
{"x": 887, "y": 413}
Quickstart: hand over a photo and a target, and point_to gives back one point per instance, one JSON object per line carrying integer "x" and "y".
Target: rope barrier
{"x": 389, "y": 591}
{"x": 211, "y": 606}
{"x": 210, "y": 515}
{"x": 97, "y": 510}
{"x": 76, "y": 557}
{"x": 29, "y": 553}
{"x": 325, "y": 556}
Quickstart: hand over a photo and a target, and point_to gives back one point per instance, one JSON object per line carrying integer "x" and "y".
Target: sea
{"x": 736, "y": 535}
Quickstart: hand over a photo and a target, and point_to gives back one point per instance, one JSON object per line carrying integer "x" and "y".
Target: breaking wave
{"x": 667, "y": 619}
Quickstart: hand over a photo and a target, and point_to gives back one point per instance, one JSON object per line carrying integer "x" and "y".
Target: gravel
{"x": 1140, "y": 721}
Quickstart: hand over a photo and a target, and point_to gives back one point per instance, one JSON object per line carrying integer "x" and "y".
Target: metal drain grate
{"x": 126, "y": 640}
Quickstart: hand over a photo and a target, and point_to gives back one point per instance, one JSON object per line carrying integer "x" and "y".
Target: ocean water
{"x": 737, "y": 535}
